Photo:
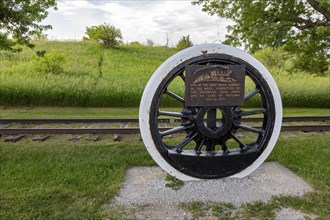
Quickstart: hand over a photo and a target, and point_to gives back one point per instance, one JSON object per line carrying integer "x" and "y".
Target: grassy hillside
{"x": 98, "y": 77}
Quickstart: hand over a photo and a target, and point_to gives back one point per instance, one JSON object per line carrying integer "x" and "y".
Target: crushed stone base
{"x": 144, "y": 191}
{"x": 292, "y": 214}
{"x": 146, "y": 185}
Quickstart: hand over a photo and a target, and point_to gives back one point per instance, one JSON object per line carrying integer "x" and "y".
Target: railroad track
{"x": 4, "y": 123}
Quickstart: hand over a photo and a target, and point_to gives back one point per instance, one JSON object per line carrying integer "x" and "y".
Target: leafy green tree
{"x": 184, "y": 42}
{"x": 106, "y": 34}
{"x": 20, "y": 20}
{"x": 302, "y": 27}
{"x": 150, "y": 42}
{"x": 39, "y": 36}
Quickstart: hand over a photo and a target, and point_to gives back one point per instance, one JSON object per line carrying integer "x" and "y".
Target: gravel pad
{"x": 146, "y": 185}
{"x": 292, "y": 214}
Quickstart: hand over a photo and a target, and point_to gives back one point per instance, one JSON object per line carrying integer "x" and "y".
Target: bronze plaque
{"x": 214, "y": 85}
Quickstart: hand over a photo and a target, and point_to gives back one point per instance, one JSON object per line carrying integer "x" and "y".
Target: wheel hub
{"x": 213, "y": 125}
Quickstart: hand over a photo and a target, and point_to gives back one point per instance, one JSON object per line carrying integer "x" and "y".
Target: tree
{"x": 168, "y": 38}
{"x": 106, "y": 34}
{"x": 20, "y": 20}
{"x": 184, "y": 42}
{"x": 301, "y": 27}
{"x": 150, "y": 42}
{"x": 39, "y": 36}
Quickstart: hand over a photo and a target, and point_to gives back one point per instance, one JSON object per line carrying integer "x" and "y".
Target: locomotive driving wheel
{"x": 210, "y": 141}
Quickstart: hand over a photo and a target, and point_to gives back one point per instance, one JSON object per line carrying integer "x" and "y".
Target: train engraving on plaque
{"x": 214, "y": 85}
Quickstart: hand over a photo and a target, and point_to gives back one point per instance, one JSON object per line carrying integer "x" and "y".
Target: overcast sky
{"x": 138, "y": 20}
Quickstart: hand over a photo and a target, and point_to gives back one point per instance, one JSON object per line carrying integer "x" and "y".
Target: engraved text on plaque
{"x": 214, "y": 85}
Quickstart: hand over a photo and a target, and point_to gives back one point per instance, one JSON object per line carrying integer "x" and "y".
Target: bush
{"x": 184, "y": 42}
{"x": 106, "y": 34}
{"x": 51, "y": 62}
{"x": 135, "y": 43}
{"x": 271, "y": 58}
{"x": 311, "y": 63}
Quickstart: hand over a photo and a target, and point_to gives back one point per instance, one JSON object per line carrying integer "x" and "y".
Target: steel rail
{"x": 136, "y": 120}
{"x": 135, "y": 130}
{"x": 285, "y": 119}
{"x": 74, "y": 120}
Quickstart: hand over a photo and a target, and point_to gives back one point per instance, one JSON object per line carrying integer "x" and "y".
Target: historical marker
{"x": 214, "y": 85}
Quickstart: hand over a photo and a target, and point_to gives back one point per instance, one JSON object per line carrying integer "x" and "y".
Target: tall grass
{"x": 99, "y": 77}
{"x": 303, "y": 89}
{"x": 93, "y": 76}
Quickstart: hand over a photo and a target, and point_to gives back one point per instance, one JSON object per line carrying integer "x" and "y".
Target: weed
{"x": 223, "y": 210}
{"x": 201, "y": 209}
{"x": 196, "y": 208}
{"x": 173, "y": 182}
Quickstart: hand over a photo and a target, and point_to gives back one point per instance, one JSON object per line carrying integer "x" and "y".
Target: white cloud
{"x": 138, "y": 20}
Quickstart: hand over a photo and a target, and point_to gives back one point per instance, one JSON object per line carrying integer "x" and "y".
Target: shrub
{"x": 271, "y": 58}
{"x": 184, "y": 42}
{"x": 51, "y": 62}
{"x": 135, "y": 43}
{"x": 311, "y": 63}
{"x": 106, "y": 34}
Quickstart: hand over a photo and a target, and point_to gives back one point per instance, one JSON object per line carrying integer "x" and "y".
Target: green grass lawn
{"x": 67, "y": 112}
{"x": 76, "y": 112}
{"x": 58, "y": 179}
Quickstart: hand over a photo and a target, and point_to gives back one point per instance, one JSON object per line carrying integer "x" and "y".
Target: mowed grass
{"x": 98, "y": 77}
{"x": 70, "y": 112}
{"x": 57, "y": 179}
{"x": 87, "y": 112}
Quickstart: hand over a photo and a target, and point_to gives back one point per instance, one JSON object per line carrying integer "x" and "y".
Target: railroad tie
{"x": 118, "y": 137}
{"x": 14, "y": 138}
{"x": 93, "y": 137}
{"x": 74, "y": 138}
{"x": 40, "y": 138}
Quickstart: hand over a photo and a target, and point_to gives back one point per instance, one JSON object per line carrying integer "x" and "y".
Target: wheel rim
{"x": 205, "y": 160}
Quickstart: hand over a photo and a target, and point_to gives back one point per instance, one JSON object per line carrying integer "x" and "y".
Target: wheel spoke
{"x": 251, "y": 94}
{"x": 175, "y": 130}
{"x": 199, "y": 146}
{"x": 241, "y": 144}
{"x": 224, "y": 148}
{"x": 252, "y": 112}
{"x": 186, "y": 141}
{"x": 211, "y": 146}
{"x": 174, "y": 114}
{"x": 256, "y": 130}
{"x": 182, "y": 77}
{"x": 175, "y": 96}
